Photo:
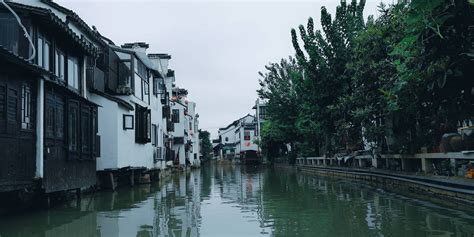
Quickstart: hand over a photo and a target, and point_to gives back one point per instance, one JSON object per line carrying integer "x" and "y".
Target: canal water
{"x": 244, "y": 201}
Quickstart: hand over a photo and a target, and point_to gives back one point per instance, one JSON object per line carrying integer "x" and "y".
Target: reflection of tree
{"x": 206, "y": 182}
{"x": 300, "y": 205}
{"x": 280, "y": 203}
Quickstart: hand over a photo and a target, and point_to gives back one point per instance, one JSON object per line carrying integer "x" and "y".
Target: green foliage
{"x": 399, "y": 81}
{"x": 206, "y": 145}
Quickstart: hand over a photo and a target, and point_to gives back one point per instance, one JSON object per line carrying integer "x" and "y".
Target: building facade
{"x": 48, "y": 123}
{"x": 74, "y": 104}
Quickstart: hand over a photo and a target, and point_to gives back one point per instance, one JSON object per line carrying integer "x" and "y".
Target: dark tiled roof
{"x": 71, "y": 15}
{"x": 236, "y": 122}
{"x": 8, "y": 56}
{"x": 50, "y": 17}
{"x": 119, "y": 101}
{"x": 159, "y": 55}
{"x": 139, "y": 44}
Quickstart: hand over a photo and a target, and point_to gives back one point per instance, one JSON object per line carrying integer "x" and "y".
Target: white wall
{"x": 108, "y": 124}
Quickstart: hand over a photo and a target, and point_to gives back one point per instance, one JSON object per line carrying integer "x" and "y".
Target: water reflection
{"x": 235, "y": 201}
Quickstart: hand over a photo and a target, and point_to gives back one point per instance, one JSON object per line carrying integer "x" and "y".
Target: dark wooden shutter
{"x": 13, "y": 109}
{"x": 73, "y": 129}
{"x": 49, "y": 115}
{"x": 86, "y": 132}
{"x": 3, "y": 106}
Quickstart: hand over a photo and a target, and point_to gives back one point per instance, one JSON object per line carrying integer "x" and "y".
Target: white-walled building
{"x": 228, "y": 140}
{"x": 193, "y": 135}
{"x": 260, "y": 115}
{"x": 131, "y": 110}
{"x": 245, "y": 146}
{"x": 238, "y": 140}
{"x": 185, "y": 132}
{"x": 81, "y": 105}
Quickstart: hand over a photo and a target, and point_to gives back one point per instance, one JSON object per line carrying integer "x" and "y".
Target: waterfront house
{"x": 245, "y": 146}
{"x": 163, "y": 86}
{"x": 179, "y": 132}
{"x": 193, "y": 144}
{"x": 260, "y": 108}
{"x": 227, "y": 139}
{"x": 48, "y": 125}
{"x": 128, "y": 87}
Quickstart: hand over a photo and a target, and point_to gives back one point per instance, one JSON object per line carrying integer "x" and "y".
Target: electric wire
{"x": 27, "y": 35}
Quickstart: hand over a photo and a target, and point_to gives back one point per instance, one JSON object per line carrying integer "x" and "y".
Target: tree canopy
{"x": 394, "y": 84}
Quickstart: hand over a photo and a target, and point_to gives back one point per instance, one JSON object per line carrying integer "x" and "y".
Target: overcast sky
{"x": 217, "y": 47}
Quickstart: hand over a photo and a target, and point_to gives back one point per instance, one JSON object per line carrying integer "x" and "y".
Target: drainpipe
{"x": 40, "y": 130}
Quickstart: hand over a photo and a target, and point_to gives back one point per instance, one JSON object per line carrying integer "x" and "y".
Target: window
{"x": 146, "y": 87}
{"x": 50, "y": 115}
{"x": 73, "y": 125}
{"x": 46, "y": 53}
{"x": 59, "y": 65}
{"x": 140, "y": 69}
{"x": 175, "y": 116}
{"x": 159, "y": 86}
{"x": 154, "y": 134}
{"x": 59, "y": 110}
{"x": 127, "y": 121}
{"x": 190, "y": 126}
{"x": 43, "y": 52}
{"x": 26, "y": 107}
{"x": 247, "y": 135}
{"x": 73, "y": 72}
{"x": 54, "y": 116}
{"x": 40, "y": 52}
{"x": 158, "y": 154}
{"x": 226, "y": 139}
{"x": 9, "y": 32}
{"x": 86, "y": 129}
{"x": 142, "y": 124}
{"x": 12, "y": 105}
{"x": 3, "y": 99}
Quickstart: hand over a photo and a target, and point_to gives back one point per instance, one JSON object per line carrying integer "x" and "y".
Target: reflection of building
{"x": 178, "y": 207}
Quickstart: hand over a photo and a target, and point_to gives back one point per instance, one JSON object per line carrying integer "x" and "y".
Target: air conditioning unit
{"x": 157, "y": 156}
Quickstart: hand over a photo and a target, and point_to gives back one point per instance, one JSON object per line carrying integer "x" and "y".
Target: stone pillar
{"x": 375, "y": 163}
{"x": 426, "y": 165}
{"x": 453, "y": 166}
{"x": 405, "y": 165}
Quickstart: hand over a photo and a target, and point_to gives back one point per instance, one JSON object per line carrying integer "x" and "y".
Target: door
{"x": 17, "y": 131}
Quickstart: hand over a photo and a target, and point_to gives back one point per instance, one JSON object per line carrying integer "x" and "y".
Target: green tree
{"x": 206, "y": 145}
{"x": 325, "y": 117}
{"x": 278, "y": 89}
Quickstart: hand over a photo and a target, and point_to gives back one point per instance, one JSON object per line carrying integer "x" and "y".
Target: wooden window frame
{"x": 125, "y": 117}
{"x": 175, "y": 116}
{"x": 27, "y": 106}
{"x": 142, "y": 124}
{"x": 74, "y": 109}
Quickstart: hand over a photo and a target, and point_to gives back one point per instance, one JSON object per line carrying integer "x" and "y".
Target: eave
{"x": 49, "y": 19}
